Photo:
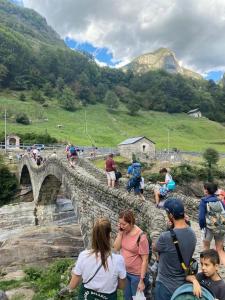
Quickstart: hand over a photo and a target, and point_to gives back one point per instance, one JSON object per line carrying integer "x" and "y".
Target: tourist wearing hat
{"x": 170, "y": 273}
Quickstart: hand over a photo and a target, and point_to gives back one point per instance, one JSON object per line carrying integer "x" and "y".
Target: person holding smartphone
{"x": 134, "y": 253}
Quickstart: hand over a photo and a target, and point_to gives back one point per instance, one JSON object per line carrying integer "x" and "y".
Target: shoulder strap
{"x": 139, "y": 237}
{"x": 176, "y": 243}
{"x": 93, "y": 275}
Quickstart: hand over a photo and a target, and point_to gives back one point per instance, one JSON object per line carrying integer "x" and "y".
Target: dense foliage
{"x": 33, "y": 57}
{"x": 8, "y": 186}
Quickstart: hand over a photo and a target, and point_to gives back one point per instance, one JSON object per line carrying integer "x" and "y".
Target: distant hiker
{"x": 212, "y": 219}
{"x": 39, "y": 159}
{"x": 164, "y": 186}
{"x": 35, "y": 152}
{"x": 68, "y": 151}
{"x": 135, "y": 253}
{"x": 110, "y": 168}
{"x": 73, "y": 155}
{"x": 135, "y": 179}
{"x": 99, "y": 271}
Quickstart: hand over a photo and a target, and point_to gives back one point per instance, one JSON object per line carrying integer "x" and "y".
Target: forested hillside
{"x": 32, "y": 57}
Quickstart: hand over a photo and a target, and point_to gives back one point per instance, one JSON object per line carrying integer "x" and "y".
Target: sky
{"x": 116, "y": 31}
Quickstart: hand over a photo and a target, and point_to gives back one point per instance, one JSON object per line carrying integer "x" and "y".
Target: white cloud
{"x": 193, "y": 29}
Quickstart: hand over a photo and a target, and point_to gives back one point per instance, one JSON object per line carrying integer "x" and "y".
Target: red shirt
{"x": 109, "y": 165}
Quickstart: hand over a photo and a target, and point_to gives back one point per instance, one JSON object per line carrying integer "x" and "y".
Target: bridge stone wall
{"x": 91, "y": 197}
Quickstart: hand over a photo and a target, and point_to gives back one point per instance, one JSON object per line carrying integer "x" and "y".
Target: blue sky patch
{"x": 101, "y": 54}
{"x": 215, "y": 75}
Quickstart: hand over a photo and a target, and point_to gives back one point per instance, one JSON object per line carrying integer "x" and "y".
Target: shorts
{"x": 163, "y": 191}
{"x": 111, "y": 175}
{"x": 207, "y": 235}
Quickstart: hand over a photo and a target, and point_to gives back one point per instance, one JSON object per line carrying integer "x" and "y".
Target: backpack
{"x": 171, "y": 185}
{"x": 215, "y": 217}
{"x": 185, "y": 292}
{"x": 73, "y": 151}
{"x": 136, "y": 170}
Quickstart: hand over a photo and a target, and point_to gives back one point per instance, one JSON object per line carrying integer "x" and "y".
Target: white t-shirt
{"x": 168, "y": 177}
{"x": 104, "y": 281}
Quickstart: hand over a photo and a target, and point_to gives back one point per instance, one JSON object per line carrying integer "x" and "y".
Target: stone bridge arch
{"x": 90, "y": 197}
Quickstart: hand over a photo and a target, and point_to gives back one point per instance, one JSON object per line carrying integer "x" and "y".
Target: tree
{"x": 22, "y": 97}
{"x": 8, "y": 184}
{"x": 133, "y": 106}
{"x": 68, "y": 99}
{"x": 211, "y": 157}
{"x": 22, "y": 118}
{"x": 36, "y": 95}
{"x": 111, "y": 100}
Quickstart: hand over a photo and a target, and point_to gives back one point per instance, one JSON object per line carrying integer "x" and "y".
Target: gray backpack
{"x": 215, "y": 217}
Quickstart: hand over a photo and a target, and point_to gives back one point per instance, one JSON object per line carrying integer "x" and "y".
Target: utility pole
{"x": 5, "y": 134}
{"x": 168, "y": 141}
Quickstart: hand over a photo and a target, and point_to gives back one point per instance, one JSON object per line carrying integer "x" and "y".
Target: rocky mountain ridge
{"x": 162, "y": 58}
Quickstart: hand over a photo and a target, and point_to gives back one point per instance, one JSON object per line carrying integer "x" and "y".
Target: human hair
{"x": 111, "y": 155}
{"x": 128, "y": 216}
{"x": 101, "y": 240}
{"x": 163, "y": 170}
{"x": 210, "y": 187}
{"x": 212, "y": 255}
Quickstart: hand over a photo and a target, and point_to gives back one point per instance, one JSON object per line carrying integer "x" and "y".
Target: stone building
{"x": 142, "y": 147}
{"x": 195, "y": 113}
{"x": 13, "y": 141}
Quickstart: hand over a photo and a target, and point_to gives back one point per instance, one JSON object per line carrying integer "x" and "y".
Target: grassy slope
{"x": 109, "y": 129}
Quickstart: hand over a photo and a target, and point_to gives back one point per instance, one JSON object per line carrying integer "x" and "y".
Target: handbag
{"x": 93, "y": 275}
{"x": 192, "y": 269}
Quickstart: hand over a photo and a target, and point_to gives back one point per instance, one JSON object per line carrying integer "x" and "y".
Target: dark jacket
{"x": 203, "y": 209}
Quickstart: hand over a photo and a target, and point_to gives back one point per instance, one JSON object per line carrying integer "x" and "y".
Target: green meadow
{"x": 95, "y": 125}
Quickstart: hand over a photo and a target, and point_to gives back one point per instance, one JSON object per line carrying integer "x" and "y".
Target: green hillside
{"x": 108, "y": 129}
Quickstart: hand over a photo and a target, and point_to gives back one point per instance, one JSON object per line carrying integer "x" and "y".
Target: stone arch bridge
{"x": 86, "y": 186}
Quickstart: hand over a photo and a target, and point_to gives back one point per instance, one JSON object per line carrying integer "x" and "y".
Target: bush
{"x": 22, "y": 118}
{"x": 47, "y": 282}
{"x": 22, "y": 97}
{"x": 8, "y": 186}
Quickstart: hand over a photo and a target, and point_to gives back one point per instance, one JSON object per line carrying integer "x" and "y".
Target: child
{"x": 209, "y": 277}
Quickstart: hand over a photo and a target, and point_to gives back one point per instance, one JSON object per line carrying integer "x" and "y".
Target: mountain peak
{"x": 162, "y": 58}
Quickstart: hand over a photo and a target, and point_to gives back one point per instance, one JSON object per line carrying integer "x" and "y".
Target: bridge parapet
{"x": 90, "y": 197}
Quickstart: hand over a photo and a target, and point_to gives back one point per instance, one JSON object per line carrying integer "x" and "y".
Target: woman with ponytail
{"x": 99, "y": 271}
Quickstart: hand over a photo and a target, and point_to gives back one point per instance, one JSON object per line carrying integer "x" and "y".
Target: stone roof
{"x": 134, "y": 140}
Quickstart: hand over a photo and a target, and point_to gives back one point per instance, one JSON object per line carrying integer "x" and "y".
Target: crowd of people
{"x": 124, "y": 263}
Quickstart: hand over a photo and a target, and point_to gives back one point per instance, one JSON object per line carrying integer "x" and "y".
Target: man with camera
{"x": 174, "y": 263}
